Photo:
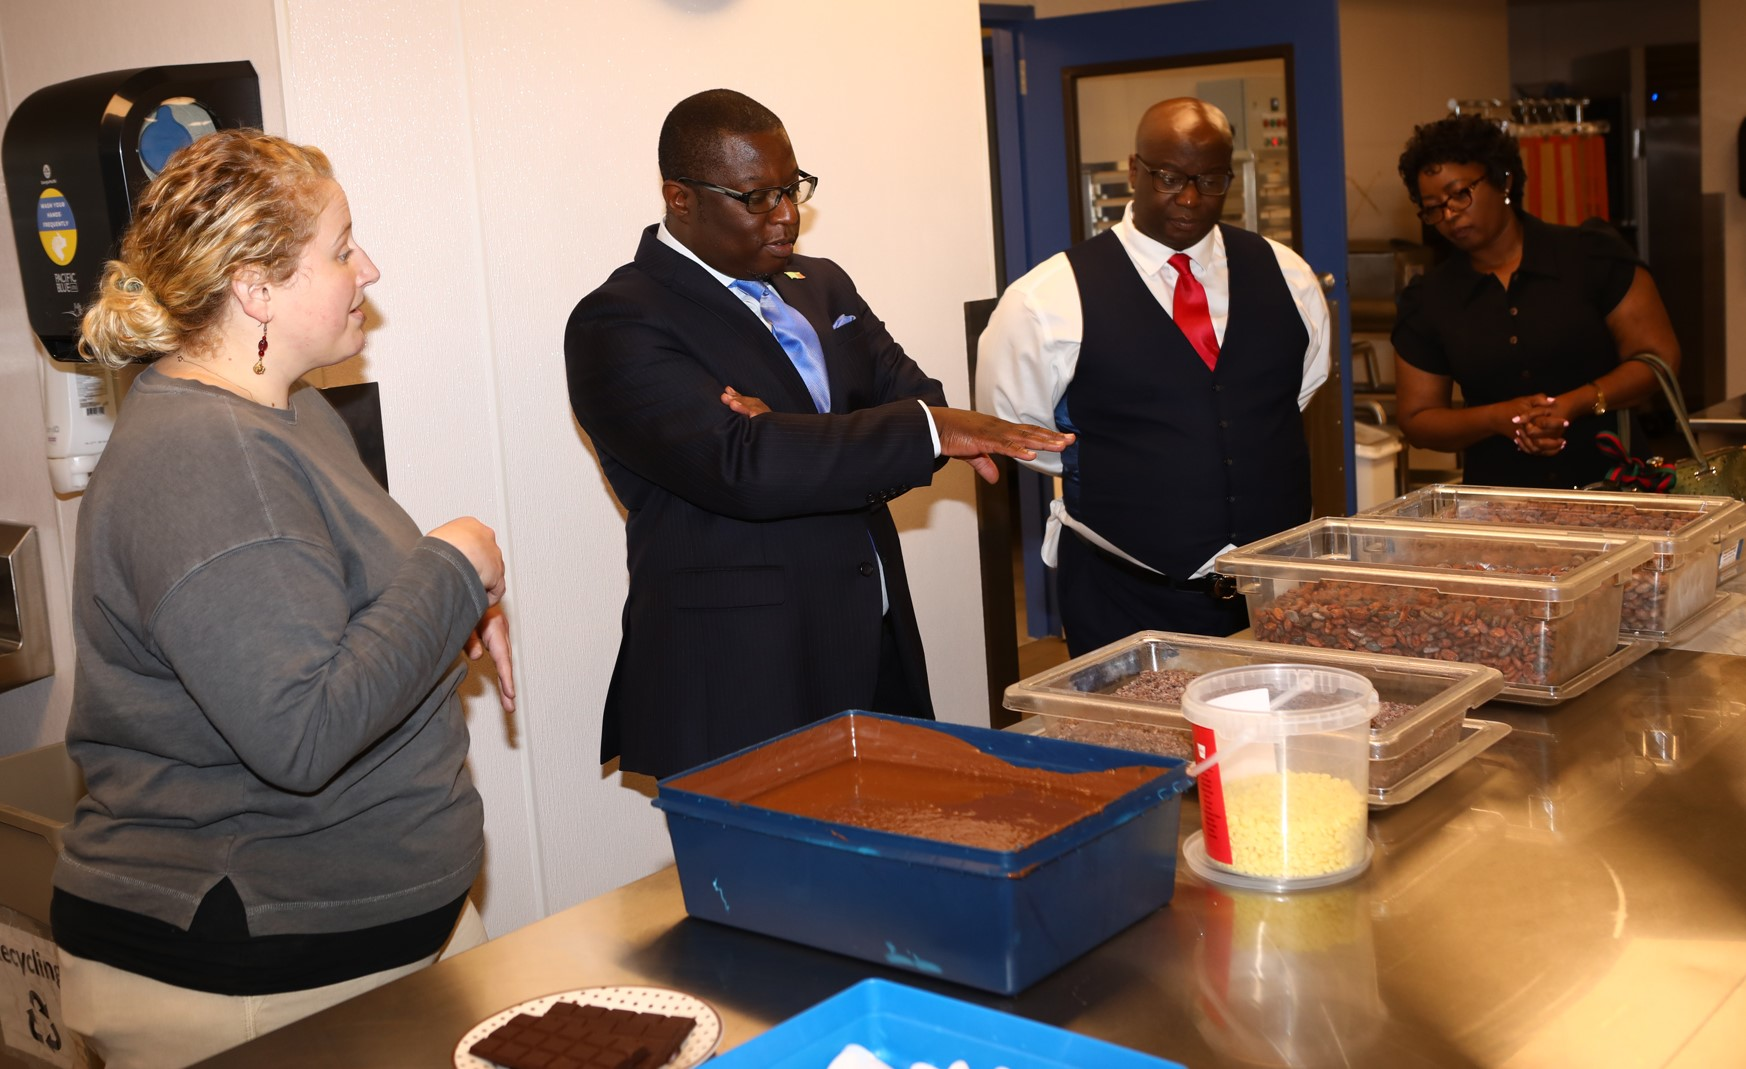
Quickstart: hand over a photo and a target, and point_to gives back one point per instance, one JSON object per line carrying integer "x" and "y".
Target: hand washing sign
{"x": 55, "y": 226}
{"x": 30, "y": 1000}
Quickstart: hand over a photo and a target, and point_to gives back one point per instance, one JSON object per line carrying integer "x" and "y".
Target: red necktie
{"x": 1190, "y": 312}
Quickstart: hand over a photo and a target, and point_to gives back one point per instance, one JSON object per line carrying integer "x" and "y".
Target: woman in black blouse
{"x": 1531, "y": 319}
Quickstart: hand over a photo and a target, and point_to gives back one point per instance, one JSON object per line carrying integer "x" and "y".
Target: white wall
{"x": 500, "y": 161}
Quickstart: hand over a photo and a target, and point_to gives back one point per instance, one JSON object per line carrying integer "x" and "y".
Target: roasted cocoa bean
{"x": 1650, "y": 604}
{"x": 1164, "y": 686}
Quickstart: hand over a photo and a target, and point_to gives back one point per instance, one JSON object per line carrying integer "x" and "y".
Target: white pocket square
{"x": 842, "y": 321}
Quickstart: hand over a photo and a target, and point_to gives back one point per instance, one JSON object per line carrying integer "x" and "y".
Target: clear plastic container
{"x": 1282, "y": 768}
{"x": 1541, "y": 608}
{"x": 1099, "y": 697}
{"x": 1694, "y": 539}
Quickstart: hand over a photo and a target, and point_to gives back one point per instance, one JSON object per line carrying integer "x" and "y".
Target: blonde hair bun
{"x": 231, "y": 200}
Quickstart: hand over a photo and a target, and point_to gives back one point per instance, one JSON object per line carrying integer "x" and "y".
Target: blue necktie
{"x": 797, "y": 337}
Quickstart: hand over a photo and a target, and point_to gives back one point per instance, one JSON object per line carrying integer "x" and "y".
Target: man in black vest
{"x": 1181, "y": 351}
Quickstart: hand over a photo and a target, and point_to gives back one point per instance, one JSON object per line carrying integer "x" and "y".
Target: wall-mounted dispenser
{"x": 25, "y": 653}
{"x": 75, "y": 156}
{"x": 77, "y": 153}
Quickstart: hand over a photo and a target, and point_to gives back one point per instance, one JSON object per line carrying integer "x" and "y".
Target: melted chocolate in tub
{"x": 913, "y": 780}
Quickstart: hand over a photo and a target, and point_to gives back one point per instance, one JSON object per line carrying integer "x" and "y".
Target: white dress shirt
{"x": 1026, "y": 357}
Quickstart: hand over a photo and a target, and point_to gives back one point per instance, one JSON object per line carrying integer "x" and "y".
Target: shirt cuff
{"x": 933, "y": 431}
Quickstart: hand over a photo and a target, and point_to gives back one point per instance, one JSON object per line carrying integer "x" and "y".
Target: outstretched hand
{"x": 973, "y": 437}
{"x": 976, "y": 438}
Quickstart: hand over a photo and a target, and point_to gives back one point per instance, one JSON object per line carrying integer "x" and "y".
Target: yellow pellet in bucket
{"x": 1290, "y": 825}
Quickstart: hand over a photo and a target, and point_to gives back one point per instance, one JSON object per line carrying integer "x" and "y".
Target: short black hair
{"x": 691, "y": 135}
{"x": 1464, "y": 139}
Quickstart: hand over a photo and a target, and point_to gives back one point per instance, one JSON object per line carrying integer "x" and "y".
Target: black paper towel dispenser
{"x": 77, "y": 153}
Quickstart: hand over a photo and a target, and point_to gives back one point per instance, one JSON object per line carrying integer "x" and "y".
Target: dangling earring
{"x": 1506, "y": 201}
{"x": 261, "y": 352}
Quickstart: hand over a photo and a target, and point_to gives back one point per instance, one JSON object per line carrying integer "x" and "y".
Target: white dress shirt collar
{"x": 666, "y": 238}
{"x": 1151, "y": 256}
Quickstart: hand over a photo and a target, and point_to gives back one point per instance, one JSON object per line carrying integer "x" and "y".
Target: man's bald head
{"x": 1183, "y": 138}
{"x": 1181, "y": 118}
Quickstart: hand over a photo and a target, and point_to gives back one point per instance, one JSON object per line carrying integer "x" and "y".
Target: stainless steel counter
{"x": 1576, "y": 897}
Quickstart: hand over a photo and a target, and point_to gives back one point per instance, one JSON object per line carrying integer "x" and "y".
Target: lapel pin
{"x": 794, "y": 274}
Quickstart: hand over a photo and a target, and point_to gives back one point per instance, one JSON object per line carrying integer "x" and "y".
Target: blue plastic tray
{"x": 902, "y": 1026}
{"x": 995, "y": 920}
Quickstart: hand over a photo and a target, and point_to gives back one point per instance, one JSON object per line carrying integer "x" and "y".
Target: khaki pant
{"x": 136, "y": 1023}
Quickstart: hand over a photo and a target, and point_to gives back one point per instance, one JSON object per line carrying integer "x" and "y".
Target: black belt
{"x": 1216, "y": 586}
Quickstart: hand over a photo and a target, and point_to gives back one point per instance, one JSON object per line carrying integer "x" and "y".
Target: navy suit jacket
{"x": 754, "y": 602}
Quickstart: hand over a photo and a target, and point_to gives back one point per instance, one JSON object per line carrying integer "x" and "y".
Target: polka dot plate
{"x": 699, "y": 1045}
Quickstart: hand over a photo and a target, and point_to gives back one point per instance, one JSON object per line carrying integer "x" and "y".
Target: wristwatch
{"x": 1600, "y": 400}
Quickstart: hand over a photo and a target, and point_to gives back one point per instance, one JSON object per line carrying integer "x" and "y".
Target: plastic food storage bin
{"x": 993, "y": 919}
{"x": 901, "y": 1025}
{"x": 1695, "y": 539}
{"x": 1542, "y": 608}
{"x": 1088, "y": 699}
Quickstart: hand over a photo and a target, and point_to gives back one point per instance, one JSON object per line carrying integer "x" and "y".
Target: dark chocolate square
{"x": 572, "y": 1036}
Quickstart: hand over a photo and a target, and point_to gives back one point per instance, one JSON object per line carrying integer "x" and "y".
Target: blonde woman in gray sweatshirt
{"x": 279, "y": 814}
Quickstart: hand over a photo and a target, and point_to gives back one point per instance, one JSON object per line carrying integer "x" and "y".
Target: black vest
{"x": 1173, "y": 460}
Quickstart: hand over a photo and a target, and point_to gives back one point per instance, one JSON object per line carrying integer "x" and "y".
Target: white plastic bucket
{"x": 1284, "y": 802}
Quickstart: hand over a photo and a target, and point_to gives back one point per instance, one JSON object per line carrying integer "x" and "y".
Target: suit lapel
{"x": 753, "y": 338}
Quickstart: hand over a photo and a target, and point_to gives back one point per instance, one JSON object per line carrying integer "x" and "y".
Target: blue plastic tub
{"x": 994, "y": 920}
{"x": 902, "y": 1026}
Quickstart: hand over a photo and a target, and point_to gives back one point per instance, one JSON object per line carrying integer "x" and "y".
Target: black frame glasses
{"x": 1457, "y": 201}
{"x": 763, "y": 200}
{"x": 1170, "y": 183}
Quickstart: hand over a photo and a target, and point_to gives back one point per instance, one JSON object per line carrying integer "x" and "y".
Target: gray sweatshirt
{"x": 267, "y": 673}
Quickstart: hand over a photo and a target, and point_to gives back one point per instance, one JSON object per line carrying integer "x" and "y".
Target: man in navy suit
{"x": 754, "y": 416}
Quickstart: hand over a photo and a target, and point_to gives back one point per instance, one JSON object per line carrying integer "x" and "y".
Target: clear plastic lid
{"x": 1671, "y": 523}
{"x": 1527, "y": 564}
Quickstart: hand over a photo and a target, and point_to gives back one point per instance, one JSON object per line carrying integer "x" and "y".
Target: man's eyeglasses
{"x": 763, "y": 201}
{"x": 1171, "y": 183}
{"x": 1458, "y": 201}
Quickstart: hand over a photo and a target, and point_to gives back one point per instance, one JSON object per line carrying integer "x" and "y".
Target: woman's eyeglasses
{"x": 1458, "y": 201}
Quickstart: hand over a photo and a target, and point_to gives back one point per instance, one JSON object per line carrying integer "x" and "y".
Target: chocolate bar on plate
{"x": 572, "y": 1036}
